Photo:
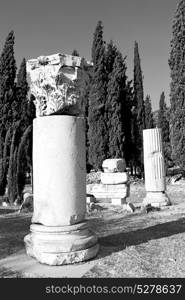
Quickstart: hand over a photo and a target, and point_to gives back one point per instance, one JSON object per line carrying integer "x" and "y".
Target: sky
{"x": 44, "y": 27}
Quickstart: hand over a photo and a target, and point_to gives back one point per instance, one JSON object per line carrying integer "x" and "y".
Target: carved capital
{"x": 53, "y": 81}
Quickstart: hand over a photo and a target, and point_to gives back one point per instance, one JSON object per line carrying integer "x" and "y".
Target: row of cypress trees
{"x": 177, "y": 95}
{"x": 114, "y": 106}
{"x": 16, "y": 115}
{"x": 115, "y": 111}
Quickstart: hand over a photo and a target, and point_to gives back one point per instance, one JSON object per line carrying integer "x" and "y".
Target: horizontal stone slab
{"x": 118, "y": 201}
{"x": 114, "y": 165}
{"x": 108, "y": 190}
{"x": 114, "y": 178}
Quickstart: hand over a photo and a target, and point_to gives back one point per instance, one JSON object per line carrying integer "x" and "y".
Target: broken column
{"x": 59, "y": 233}
{"x": 114, "y": 184}
{"x": 154, "y": 166}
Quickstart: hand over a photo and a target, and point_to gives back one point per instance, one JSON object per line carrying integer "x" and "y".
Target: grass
{"x": 131, "y": 244}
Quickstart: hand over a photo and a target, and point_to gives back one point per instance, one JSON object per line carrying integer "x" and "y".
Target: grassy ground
{"x": 131, "y": 244}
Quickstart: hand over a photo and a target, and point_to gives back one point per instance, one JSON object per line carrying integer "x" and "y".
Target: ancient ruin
{"x": 53, "y": 81}
{"x": 154, "y": 166}
{"x": 59, "y": 233}
{"x": 114, "y": 184}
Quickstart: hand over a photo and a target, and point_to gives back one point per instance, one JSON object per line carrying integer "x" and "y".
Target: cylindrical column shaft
{"x": 59, "y": 171}
{"x": 59, "y": 233}
{"x": 154, "y": 166}
{"x": 154, "y": 161}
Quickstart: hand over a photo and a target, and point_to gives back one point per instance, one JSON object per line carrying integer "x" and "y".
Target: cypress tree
{"x": 177, "y": 95}
{"x": 110, "y": 55}
{"x": 12, "y": 183}
{"x": 7, "y": 83}
{"x": 7, "y": 96}
{"x": 163, "y": 123}
{"x": 97, "y": 131}
{"x": 127, "y": 124}
{"x": 4, "y": 162}
{"x": 21, "y": 158}
{"x": 139, "y": 110}
{"x": 22, "y": 91}
{"x": 84, "y": 88}
{"x": 116, "y": 91}
{"x": 149, "y": 123}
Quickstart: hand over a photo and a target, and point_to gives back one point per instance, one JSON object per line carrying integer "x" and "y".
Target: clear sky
{"x": 44, "y": 27}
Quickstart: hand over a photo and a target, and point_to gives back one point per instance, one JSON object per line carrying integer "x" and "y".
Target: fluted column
{"x": 154, "y": 166}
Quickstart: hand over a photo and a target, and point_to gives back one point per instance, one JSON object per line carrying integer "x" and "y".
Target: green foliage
{"x": 21, "y": 160}
{"x": 97, "y": 131}
{"x": 4, "y": 162}
{"x": 21, "y": 94}
{"x": 12, "y": 183}
{"x": 7, "y": 83}
{"x": 7, "y": 96}
{"x": 163, "y": 123}
{"x": 177, "y": 95}
{"x": 116, "y": 91}
{"x": 110, "y": 55}
{"x": 139, "y": 109}
{"x": 149, "y": 123}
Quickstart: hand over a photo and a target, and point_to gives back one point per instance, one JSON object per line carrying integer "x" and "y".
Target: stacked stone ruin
{"x": 114, "y": 186}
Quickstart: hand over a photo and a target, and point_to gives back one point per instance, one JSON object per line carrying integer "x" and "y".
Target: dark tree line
{"x": 16, "y": 115}
{"x": 177, "y": 95}
{"x": 115, "y": 108}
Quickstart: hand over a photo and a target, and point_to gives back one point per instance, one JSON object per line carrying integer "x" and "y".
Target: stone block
{"x": 114, "y": 178}
{"x": 60, "y": 245}
{"x": 108, "y": 190}
{"x": 114, "y": 165}
{"x": 156, "y": 199}
{"x": 118, "y": 201}
{"x": 53, "y": 80}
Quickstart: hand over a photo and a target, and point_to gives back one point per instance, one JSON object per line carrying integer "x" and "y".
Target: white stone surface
{"x": 155, "y": 181}
{"x": 114, "y": 165}
{"x": 53, "y": 81}
{"x": 108, "y": 190}
{"x": 27, "y": 267}
{"x": 59, "y": 170}
{"x": 114, "y": 178}
{"x": 154, "y": 161}
{"x": 118, "y": 201}
{"x": 54, "y": 245}
{"x": 156, "y": 199}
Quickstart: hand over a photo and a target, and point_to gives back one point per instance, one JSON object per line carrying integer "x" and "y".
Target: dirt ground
{"x": 131, "y": 244}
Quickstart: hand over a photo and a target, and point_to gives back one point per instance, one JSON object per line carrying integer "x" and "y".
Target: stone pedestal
{"x": 114, "y": 184}
{"x": 155, "y": 181}
{"x": 59, "y": 234}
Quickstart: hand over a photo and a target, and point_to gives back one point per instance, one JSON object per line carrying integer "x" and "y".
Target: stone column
{"x": 155, "y": 181}
{"x": 59, "y": 232}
